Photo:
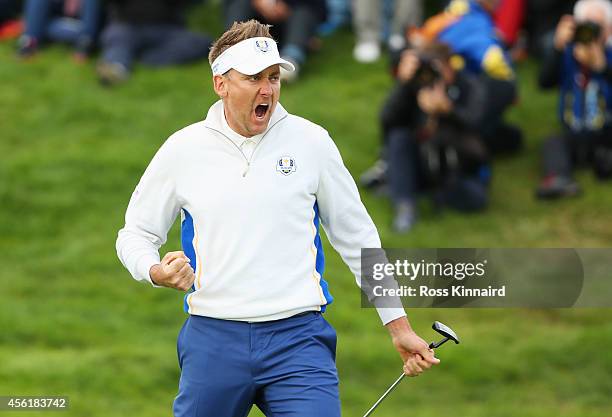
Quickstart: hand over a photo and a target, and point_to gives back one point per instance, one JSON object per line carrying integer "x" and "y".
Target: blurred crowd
{"x": 443, "y": 123}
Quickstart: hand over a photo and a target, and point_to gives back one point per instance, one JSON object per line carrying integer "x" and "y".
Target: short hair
{"x": 239, "y": 32}
{"x": 582, "y": 5}
{"x": 436, "y": 50}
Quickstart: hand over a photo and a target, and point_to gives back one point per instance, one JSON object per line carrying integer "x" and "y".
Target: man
{"x": 430, "y": 122}
{"x": 581, "y": 65}
{"x": 467, "y": 27}
{"x": 253, "y": 183}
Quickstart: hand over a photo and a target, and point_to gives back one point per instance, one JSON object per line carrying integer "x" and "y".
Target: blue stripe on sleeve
{"x": 187, "y": 235}
{"x": 320, "y": 260}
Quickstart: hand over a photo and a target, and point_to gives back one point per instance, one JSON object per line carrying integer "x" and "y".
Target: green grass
{"x": 74, "y": 323}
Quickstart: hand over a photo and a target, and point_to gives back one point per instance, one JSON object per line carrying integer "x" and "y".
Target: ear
{"x": 220, "y": 85}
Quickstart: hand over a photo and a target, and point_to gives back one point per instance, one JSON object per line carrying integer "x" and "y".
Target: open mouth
{"x": 261, "y": 111}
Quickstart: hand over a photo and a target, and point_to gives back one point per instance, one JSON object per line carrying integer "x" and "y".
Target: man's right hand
{"x": 174, "y": 271}
{"x": 408, "y": 66}
{"x": 565, "y": 32}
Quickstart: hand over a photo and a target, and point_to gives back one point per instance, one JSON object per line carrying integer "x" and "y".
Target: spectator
{"x": 71, "y": 21}
{"x": 430, "y": 123}
{"x": 468, "y": 28}
{"x": 294, "y": 24}
{"x": 152, "y": 31}
{"x": 368, "y": 24}
{"x": 581, "y": 65}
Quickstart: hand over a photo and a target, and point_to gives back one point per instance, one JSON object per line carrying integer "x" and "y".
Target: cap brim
{"x": 252, "y": 68}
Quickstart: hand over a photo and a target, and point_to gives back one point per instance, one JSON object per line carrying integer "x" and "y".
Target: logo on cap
{"x": 262, "y": 45}
{"x": 285, "y": 165}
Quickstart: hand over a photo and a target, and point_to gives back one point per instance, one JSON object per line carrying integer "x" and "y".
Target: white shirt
{"x": 250, "y": 214}
{"x": 246, "y": 145}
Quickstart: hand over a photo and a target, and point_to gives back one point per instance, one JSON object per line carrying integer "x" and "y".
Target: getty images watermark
{"x": 539, "y": 278}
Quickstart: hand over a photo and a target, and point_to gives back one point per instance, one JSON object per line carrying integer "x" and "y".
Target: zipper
{"x": 247, "y": 160}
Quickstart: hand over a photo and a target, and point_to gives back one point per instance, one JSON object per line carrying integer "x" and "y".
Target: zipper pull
{"x": 244, "y": 174}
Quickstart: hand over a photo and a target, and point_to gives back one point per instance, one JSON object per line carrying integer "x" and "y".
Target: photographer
{"x": 581, "y": 65}
{"x": 430, "y": 124}
{"x": 467, "y": 27}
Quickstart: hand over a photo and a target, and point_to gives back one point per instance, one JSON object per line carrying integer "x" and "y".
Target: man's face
{"x": 249, "y": 100}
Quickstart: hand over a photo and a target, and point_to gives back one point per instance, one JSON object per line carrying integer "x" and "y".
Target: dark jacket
{"x": 467, "y": 94}
{"x": 472, "y": 35}
{"x": 459, "y": 129}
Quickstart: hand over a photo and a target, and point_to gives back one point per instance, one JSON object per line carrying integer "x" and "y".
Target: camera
{"x": 587, "y": 32}
{"x": 427, "y": 74}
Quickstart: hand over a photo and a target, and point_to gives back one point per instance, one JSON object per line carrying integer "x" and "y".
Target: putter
{"x": 445, "y": 331}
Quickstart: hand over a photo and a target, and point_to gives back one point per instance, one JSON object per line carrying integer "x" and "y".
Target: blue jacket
{"x": 473, "y": 37}
{"x": 585, "y": 97}
{"x": 585, "y": 101}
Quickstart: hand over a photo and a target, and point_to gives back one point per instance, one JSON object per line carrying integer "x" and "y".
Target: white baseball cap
{"x": 250, "y": 57}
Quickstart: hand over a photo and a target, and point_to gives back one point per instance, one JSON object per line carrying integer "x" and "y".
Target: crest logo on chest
{"x": 285, "y": 165}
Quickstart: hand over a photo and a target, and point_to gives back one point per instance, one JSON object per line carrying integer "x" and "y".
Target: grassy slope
{"x": 74, "y": 323}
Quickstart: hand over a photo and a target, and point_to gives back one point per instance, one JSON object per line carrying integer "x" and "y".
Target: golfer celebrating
{"x": 252, "y": 184}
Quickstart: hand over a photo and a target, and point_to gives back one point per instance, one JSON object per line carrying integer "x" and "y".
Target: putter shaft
{"x": 391, "y": 388}
{"x": 397, "y": 381}
{"x": 445, "y": 331}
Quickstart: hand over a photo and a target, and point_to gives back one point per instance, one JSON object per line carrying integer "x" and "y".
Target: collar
{"x": 215, "y": 119}
{"x": 234, "y": 136}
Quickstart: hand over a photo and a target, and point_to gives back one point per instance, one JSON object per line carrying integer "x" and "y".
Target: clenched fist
{"x": 173, "y": 271}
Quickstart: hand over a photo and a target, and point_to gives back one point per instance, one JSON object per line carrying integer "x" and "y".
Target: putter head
{"x": 445, "y": 331}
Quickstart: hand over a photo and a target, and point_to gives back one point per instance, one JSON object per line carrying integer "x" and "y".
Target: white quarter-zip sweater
{"x": 250, "y": 214}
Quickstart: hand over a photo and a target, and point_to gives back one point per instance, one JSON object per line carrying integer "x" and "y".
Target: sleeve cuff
{"x": 389, "y": 314}
{"x": 143, "y": 268}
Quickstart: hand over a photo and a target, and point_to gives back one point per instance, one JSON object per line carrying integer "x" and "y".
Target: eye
{"x": 275, "y": 78}
{"x": 255, "y": 77}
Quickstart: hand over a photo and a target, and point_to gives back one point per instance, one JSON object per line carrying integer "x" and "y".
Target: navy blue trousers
{"x": 285, "y": 367}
